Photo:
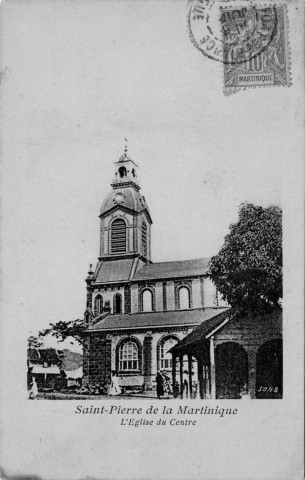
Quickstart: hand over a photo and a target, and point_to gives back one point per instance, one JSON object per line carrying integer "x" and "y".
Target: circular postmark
{"x": 229, "y": 34}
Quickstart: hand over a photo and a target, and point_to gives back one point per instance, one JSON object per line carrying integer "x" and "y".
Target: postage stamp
{"x": 251, "y": 41}
{"x": 255, "y": 46}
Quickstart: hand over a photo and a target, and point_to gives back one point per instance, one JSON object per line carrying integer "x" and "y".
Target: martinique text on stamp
{"x": 255, "y": 46}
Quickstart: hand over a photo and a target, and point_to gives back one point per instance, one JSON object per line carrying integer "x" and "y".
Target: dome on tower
{"x": 126, "y": 197}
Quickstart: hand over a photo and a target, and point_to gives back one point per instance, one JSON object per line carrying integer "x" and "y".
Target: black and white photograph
{"x": 152, "y": 239}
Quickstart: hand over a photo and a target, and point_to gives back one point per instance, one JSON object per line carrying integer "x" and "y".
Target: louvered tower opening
{"x": 144, "y": 239}
{"x": 118, "y": 236}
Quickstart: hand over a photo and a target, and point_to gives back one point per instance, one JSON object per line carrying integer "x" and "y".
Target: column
{"x": 173, "y": 373}
{"x": 202, "y": 291}
{"x": 86, "y": 359}
{"x": 189, "y": 358}
{"x": 159, "y": 296}
{"x": 174, "y": 369}
{"x": 200, "y": 378}
{"x": 170, "y": 294}
{"x": 134, "y": 298}
{"x": 252, "y": 371}
{"x": 196, "y": 293}
{"x": 147, "y": 357}
{"x": 106, "y": 375}
{"x": 181, "y": 375}
{"x": 212, "y": 368}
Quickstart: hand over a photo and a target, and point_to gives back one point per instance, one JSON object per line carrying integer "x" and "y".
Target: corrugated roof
{"x": 53, "y": 370}
{"x": 155, "y": 319}
{"x": 114, "y": 270}
{"x": 45, "y": 355}
{"x": 183, "y": 268}
{"x": 200, "y": 332}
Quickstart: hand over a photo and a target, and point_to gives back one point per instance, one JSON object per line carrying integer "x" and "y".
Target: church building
{"x": 138, "y": 310}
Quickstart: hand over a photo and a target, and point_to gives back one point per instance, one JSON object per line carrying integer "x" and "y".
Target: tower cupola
{"x": 125, "y": 172}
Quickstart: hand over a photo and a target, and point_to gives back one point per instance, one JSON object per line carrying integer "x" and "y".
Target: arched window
{"x": 117, "y": 303}
{"x": 129, "y": 356}
{"x": 118, "y": 236}
{"x": 165, "y": 357}
{"x": 122, "y": 172}
{"x": 98, "y": 305}
{"x": 184, "y": 298}
{"x": 147, "y": 304}
{"x": 144, "y": 239}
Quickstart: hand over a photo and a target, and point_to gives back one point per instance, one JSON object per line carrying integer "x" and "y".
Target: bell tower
{"x": 125, "y": 227}
{"x": 126, "y": 172}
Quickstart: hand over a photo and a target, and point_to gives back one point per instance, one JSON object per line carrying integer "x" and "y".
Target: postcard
{"x": 152, "y": 239}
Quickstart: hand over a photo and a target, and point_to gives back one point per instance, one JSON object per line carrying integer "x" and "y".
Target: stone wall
{"x": 100, "y": 360}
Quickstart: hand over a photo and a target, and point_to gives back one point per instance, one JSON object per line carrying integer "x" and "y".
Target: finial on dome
{"x": 125, "y": 149}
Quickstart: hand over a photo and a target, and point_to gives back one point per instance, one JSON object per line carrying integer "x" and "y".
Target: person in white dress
{"x": 34, "y": 389}
{"x": 114, "y": 387}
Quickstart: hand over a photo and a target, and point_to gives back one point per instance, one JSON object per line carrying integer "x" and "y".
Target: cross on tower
{"x": 125, "y": 149}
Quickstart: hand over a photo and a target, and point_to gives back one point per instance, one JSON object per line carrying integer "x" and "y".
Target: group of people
{"x": 163, "y": 382}
{"x": 164, "y": 387}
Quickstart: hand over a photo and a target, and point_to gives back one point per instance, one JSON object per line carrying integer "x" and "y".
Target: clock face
{"x": 119, "y": 198}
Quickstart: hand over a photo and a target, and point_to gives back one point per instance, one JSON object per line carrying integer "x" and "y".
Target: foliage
{"x": 63, "y": 330}
{"x": 247, "y": 271}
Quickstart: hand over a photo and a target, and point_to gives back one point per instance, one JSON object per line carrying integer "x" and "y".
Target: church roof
{"x": 114, "y": 270}
{"x": 155, "y": 319}
{"x": 182, "y": 268}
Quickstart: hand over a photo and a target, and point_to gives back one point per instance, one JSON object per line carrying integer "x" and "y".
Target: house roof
{"x": 74, "y": 374}
{"x": 182, "y": 268}
{"x": 71, "y": 360}
{"x": 45, "y": 355}
{"x": 202, "y": 331}
{"x": 155, "y": 319}
{"x": 53, "y": 370}
{"x": 114, "y": 270}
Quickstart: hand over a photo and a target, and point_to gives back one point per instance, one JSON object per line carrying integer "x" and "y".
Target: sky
{"x": 75, "y": 82}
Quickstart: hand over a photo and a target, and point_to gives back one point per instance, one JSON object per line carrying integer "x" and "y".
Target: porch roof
{"x": 201, "y": 332}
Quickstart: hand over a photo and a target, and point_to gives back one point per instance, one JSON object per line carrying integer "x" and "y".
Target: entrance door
{"x": 231, "y": 368}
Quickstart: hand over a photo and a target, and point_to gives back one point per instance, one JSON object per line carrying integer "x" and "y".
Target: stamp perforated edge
{"x": 230, "y": 90}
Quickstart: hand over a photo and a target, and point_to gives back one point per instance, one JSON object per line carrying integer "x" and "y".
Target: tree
{"x": 34, "y": 342}
{"x": 247, "y": 271}
{"x": 63, "y": 330}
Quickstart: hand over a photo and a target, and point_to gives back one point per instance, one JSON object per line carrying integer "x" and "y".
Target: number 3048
{"x": 268, "y": 389}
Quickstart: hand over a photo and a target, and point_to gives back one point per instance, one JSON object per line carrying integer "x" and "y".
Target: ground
{"x": 75, "y": 396}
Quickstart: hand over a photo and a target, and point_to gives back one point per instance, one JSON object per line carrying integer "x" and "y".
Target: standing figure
{"x": 115, "y": 388}
{"x": 34, "y": 389}
{"x": 186, "y": 388}
{"x": 160, "y": 387}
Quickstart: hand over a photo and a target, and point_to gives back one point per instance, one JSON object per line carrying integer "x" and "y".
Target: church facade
{"x": 138, "y": 310}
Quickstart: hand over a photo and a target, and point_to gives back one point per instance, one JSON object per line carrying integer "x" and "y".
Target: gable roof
{"x": 182, "y": 268}
{"x": 45, "y": 355}
{"x": 203, "y": 330}
{"x": 155, "y": 319}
